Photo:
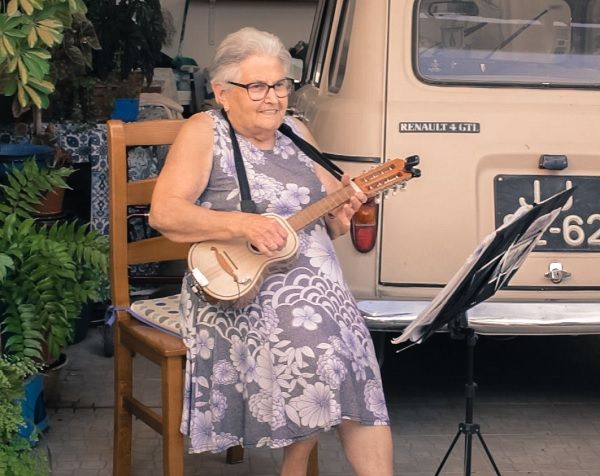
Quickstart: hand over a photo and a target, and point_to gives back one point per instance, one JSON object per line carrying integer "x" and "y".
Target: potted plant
{"x": 30, "y": 30}
{"x": 70, "y": 70}
{"x": 17, "y": 455}
{"x": 131, "y": 34}
{"x": 51, "y": 203}
{"x": 49, "y": 271}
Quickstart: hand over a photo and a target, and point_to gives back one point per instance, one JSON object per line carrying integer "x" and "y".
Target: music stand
{"x": 488, "y": 269}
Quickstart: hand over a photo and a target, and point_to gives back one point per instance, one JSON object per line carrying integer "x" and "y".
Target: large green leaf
{"x": 47, "y": 272}
{"x": 6, "y": 263}
{"x": 29, "y": 31}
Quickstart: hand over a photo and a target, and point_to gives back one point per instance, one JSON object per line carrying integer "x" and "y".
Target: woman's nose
{"x": 271, "y": 96}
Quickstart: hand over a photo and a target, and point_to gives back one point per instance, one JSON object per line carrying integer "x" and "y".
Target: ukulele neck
{"x": 315, "y": 211}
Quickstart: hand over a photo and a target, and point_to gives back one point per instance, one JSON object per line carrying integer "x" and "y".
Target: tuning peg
{"x": 411, "y": 161}
{"x": 416, "y": 173}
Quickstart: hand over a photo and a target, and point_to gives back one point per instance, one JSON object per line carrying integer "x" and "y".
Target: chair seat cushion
{"x": 160, "y": 313}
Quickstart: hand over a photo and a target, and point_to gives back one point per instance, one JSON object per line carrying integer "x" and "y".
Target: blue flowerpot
{"x": 32, "y": 406}
{"x": 16, "y": 154}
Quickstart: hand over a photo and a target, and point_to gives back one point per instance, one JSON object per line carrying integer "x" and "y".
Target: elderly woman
{"x": 298, "y": 359}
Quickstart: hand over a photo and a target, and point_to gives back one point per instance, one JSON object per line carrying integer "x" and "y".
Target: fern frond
{"x": 26, "y": 187}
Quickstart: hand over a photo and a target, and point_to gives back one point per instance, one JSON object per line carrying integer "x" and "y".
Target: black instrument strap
{"x": 247, "y": 204}
{"x": 311, "y": 151}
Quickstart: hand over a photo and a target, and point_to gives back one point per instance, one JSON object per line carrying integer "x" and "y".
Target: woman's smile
{"x": 271, "y": 111}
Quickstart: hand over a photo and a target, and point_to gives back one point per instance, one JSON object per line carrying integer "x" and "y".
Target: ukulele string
{"x": 239, "y": 291}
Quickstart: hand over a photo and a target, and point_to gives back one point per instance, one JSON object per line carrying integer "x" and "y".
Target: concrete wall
{"x": 209, "y": 22}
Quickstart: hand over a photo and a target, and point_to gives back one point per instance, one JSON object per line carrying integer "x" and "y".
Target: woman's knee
{"x": 296, "y": 457}
{"x": 368, "y": 448}
{"x": 301, "y": 448}
{"x": 352, "y": 432}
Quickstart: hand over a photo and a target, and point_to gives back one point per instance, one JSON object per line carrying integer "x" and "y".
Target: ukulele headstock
{"x": 391, "y": 174}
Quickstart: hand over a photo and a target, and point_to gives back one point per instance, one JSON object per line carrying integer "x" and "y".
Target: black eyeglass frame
{"x": 269, "y": 86}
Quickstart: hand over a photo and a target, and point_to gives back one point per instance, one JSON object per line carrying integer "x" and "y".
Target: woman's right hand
{"x": 266, "y": 234}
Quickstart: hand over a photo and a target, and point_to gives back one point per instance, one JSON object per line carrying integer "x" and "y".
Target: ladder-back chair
{"x": 158, "y": 341}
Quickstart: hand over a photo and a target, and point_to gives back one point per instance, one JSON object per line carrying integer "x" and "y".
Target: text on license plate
{"x": 577, "y": 228}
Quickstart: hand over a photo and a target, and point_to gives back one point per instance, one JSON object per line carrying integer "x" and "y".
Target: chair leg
{"x": 122, "y": 418}
{"x": 235, "y": 454}
{"x": 172, "y": 403}
{"x": 313, "y": 462}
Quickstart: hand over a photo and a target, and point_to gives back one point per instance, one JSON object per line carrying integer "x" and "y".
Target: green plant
{"x": 49, "y": 271}
{"x": 71, "y": 66}
{"x": 131, "y": 33}
{"x": 29, "y": 32}
{"x": 17, "y": 457}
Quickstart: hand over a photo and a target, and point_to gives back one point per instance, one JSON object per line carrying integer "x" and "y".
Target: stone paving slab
{"x": 534, "y": 424}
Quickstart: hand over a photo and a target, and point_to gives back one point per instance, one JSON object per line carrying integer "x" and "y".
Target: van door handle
{"x": 553, "y": 162}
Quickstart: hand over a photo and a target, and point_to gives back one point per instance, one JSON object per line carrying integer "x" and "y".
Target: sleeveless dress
{"x": 298, "y": 359}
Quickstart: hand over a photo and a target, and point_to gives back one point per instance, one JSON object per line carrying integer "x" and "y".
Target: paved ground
{"x": 538, "y": 405}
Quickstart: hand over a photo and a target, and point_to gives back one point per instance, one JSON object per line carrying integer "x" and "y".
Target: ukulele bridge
{"x": 228, "y": 265}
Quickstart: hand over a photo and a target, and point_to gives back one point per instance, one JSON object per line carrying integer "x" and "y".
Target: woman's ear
{"x": 220, "y": 95}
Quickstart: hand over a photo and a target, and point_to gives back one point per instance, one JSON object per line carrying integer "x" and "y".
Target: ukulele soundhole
{"x": 253, "y": 249}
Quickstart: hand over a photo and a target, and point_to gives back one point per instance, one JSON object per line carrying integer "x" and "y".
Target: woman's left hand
{"x": 344, "y": 213}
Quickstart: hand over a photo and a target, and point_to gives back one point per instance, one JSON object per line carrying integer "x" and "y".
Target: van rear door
{"x": 501, "y": 101}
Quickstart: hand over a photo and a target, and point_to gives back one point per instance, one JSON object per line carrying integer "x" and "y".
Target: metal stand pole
{"x": 468, "y": 428}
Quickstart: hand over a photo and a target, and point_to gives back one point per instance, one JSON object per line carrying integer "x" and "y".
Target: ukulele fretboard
{"x": 318, "y": 209}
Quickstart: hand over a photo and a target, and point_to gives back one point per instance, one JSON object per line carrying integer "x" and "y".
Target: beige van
{"x": 501, "y": 101}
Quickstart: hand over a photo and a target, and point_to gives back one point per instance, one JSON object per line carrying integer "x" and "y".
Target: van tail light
{"x": 363, "y": 227}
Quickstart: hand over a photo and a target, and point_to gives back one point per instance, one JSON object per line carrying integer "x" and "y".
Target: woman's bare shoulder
{"x": 302, "y": 129}
{"x": 296, "y": 123}
{"x": 196, "y": 129}
{"x": 200, "y": 120}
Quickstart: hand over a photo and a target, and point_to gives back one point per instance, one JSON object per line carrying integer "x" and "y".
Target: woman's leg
{"x": 295, "y": 457}
{"x": 368, "y": 448}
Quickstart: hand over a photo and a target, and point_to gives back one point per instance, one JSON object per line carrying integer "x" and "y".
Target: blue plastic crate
{"x": 126, "y": 109}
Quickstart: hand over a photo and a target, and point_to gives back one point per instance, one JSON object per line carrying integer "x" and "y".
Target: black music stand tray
{"x": 488, "y": 269}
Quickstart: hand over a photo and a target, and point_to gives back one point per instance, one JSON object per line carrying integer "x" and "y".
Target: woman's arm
{"x": 338, "y": 220}
{"x": 182, "y": 180}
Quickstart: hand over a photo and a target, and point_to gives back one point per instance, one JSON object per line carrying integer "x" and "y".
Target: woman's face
{"x": 254, "y": 117}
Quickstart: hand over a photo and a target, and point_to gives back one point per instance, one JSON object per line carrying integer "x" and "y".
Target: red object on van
{"x": 363, "y": 227}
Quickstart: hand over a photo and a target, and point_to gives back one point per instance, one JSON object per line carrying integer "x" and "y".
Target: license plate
{"x": 577, "y": 228}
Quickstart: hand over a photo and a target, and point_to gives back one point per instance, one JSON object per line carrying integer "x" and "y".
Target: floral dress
{"x": 299, "y": 358}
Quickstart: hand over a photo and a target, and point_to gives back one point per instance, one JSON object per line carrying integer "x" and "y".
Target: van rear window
{"x": 512, "y": 42}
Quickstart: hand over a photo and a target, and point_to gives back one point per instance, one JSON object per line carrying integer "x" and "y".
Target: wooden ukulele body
{"x": 234, "y": 270}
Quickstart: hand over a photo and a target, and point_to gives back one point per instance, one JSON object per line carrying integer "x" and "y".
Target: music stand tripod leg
{"x": 488, "y": 453}
{"x": 468, "y": 428}
{"x": 450, "y": 448}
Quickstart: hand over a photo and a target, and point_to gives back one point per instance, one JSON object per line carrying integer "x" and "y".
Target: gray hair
{"x": 242, "y": 44}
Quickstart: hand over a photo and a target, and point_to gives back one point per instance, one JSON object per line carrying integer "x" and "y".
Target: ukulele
{"x": 231, "y": 272}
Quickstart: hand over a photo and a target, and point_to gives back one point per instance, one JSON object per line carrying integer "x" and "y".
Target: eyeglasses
{"x": 259, "y": 90}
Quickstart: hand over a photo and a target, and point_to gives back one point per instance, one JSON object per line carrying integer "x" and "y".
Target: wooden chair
{"x": 132, "y": 336}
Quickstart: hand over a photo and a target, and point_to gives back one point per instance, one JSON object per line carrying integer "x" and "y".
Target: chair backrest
{"x": 124, "y": 193}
